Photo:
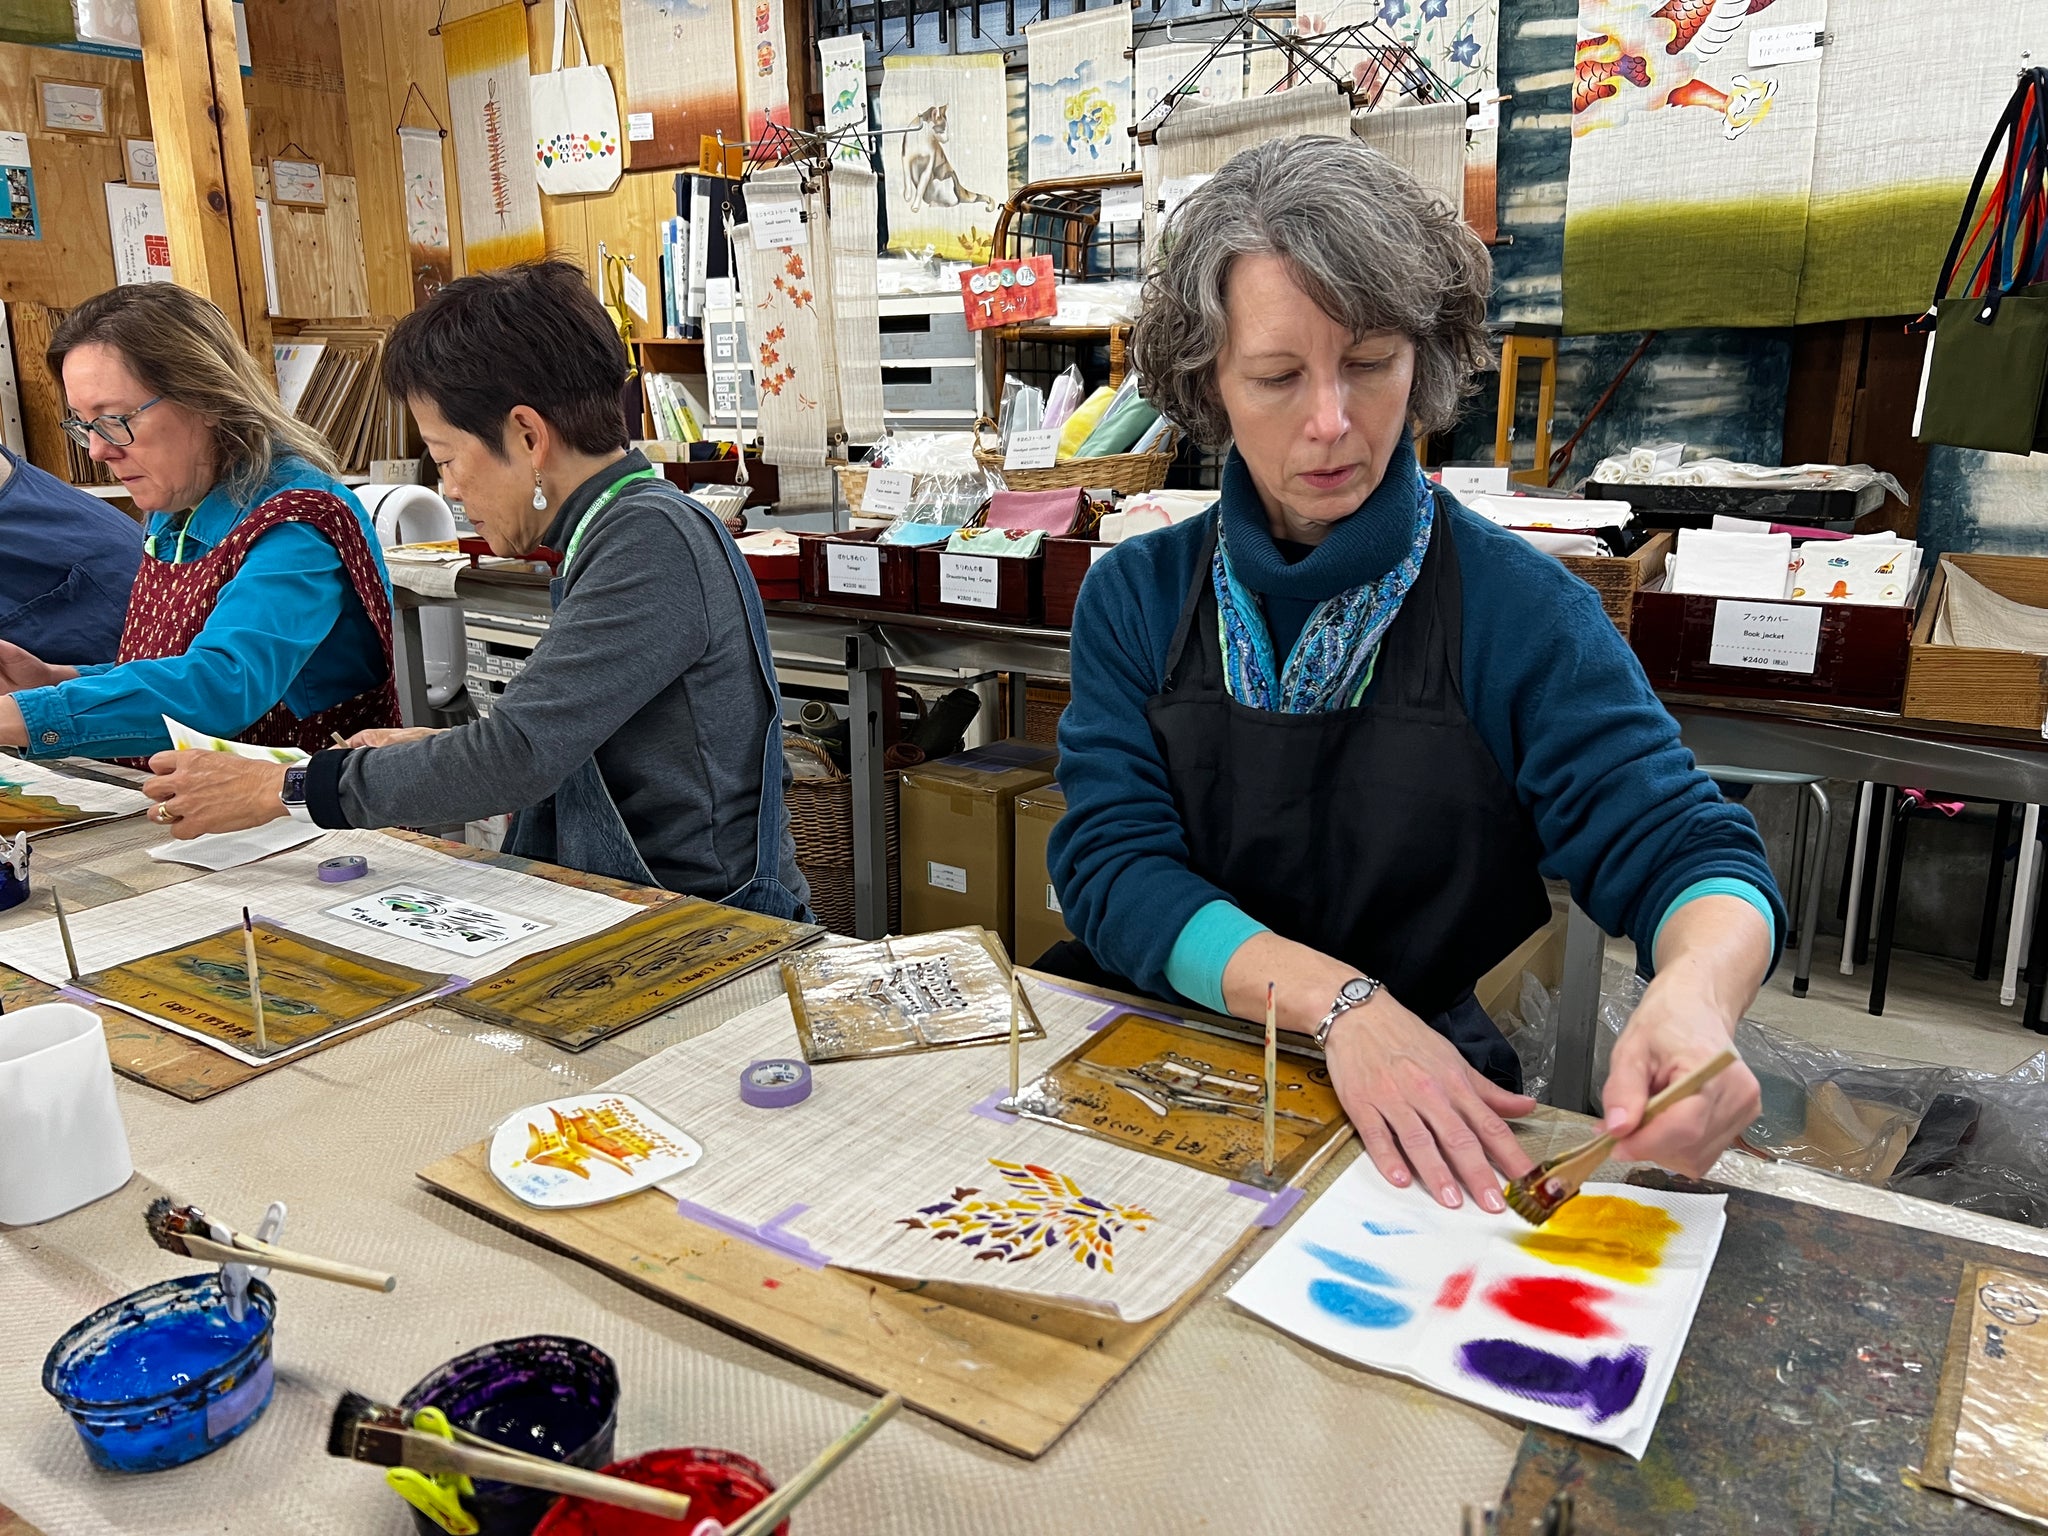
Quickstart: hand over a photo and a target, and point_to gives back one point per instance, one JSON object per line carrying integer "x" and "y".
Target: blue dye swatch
{"x": 1355, "y": 1304}
{"x": 1381, "y": 1231}
{"x": 1350, "y": 1268}
{"x": 1600, "y": 1388}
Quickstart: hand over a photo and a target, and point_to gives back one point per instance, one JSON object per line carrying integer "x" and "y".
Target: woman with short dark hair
{"x": 1332, "y": 737}
{"x": 643, "y": 740}
{"x": 261, "y": 609}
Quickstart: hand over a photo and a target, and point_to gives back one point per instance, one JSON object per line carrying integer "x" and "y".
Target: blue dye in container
{"x": 545, "y": 1395}
{"x": 164, "y": 1376}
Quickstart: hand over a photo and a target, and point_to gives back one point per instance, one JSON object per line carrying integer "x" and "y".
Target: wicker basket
{"x": 1124, "y": 473}
{"x": 853, "y": 488}
{"x": 821, "y": 821}
{"x": 1617, "y": 578}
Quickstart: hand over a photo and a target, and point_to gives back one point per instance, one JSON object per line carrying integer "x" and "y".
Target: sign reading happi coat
{"x": 1007, "y": 291}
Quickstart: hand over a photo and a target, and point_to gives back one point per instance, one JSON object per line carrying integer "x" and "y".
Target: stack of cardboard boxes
{"x": 974, "y": 834}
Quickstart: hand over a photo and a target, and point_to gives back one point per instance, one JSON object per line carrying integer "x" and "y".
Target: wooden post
{"x": 202, "y": 143}
{"x": 376, "y": 95}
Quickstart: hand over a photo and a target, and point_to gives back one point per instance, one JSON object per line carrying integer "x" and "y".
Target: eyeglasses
{"x": 113, "y": 430}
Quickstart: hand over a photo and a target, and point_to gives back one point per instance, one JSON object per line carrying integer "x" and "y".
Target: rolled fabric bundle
{"x": 1120, "y": 429}
{"x": 1084, "y": 421}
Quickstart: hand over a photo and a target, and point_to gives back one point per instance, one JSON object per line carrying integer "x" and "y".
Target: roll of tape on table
{"x": 775, "y": 1084}
{"x": 351, "y": 866}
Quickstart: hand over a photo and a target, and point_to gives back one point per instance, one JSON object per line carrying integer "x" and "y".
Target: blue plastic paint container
{"x": 544, "y": 1394}
{"x": 164, "y": 1376}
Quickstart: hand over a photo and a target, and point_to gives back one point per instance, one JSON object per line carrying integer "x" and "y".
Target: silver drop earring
{"x": 540, "y": 497}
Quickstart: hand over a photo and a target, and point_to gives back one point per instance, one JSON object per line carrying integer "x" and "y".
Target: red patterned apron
{"x": 172, "y": 602}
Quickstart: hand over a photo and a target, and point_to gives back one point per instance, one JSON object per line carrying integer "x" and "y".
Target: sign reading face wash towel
{"x": 1577, "y": 1324}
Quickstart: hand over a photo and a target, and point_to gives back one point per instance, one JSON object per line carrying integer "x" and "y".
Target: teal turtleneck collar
{"x": 1361, "y": 548}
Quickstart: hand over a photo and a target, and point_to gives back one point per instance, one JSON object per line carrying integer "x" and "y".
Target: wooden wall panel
{"x": 74, "y": 259}
{"x": 297, "y": 93}
{"x": 318, "y": 253}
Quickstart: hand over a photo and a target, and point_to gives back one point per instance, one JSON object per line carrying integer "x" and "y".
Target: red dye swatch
{"x": 1457, "y": 1289}
{"x": 1556, "y": 1305}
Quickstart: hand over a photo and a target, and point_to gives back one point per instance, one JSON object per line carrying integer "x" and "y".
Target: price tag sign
{"x": 855, "y": 569}
{"x": 778, "y": 225}
{"x": 718, "y": 293}
{"x": 636, "y": 295}
{"x": 1463, "y": 480}
{"x": 945, "y": 877}
{"x": 1768, "y": 637}
{"x": 1036, "y": 449}
{"x": 887, "y": 493}
{"x": 1784, "y": 45}
{"x": 1004, "y": 292}
{"x": 969, "y": 580}
{"x": 1123, "y": 205}
{"x": 1176, "y": 190}
{"x": 639, "y": 127}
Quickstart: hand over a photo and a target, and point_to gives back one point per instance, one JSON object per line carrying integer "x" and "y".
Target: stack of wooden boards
{"x": 342, "y": 395}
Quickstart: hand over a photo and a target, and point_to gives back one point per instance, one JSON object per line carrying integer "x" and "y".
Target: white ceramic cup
{"x": 65, "y": 1144}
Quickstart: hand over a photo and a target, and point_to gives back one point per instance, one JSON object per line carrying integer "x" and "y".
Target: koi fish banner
{"x": 1771, "y": 162}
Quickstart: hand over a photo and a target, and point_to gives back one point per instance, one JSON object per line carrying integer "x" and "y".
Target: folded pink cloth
{"x": 1049, "y": 512}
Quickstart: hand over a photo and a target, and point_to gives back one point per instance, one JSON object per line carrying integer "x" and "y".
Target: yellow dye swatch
{"x": 1606, "y": 1235}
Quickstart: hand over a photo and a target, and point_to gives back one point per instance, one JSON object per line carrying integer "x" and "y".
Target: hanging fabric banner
{"x": 856, "y": 314}
{"x": 1159, "y": 69}
{"x": 489, "y": 99}
{"x": 764, "y": 66}
{"x": 426, "y": 212}
{"x": 1080, "y": 72}
{"x": 843, "y": 83}
{"x": 1428, "y": 142}
{"x": 1195, "y": 141}
{"x": 945, "y": 173}
{"x": 681, "y": 80}
{"x": 1691, "y": 170}
{"x": 784, "y": 254}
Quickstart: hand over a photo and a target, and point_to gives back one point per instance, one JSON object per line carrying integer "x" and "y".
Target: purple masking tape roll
{"x": 775, "y": 1084}
{"x": 351, "y": 866}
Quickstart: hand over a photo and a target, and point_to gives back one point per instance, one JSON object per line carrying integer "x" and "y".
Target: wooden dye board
{"x": 1794, "y": 1385}
{"x": 186, "y": 1069}
{"x": 577, "y": 994}
{"x": 1011, "y": 1370}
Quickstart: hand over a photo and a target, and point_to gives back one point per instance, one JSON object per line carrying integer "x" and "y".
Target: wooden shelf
{"x": 671, "y": 341}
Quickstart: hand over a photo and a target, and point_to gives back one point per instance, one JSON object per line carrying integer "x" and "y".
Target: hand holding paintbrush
{"x": 1537, "y": 1194}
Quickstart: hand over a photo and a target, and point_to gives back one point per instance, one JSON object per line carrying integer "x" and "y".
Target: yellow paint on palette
{"x": 1606, "y": 1235}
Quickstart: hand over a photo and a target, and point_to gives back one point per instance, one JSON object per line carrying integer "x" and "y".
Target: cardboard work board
{"x": 1804, "y": 1395}
{"x": 1008, "y": 1369}
{"x": 190, "y": 1070}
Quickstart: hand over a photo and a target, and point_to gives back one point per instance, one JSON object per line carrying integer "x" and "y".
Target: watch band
{"x": 293, "y": 794}
{"x": 1355, "y": 993}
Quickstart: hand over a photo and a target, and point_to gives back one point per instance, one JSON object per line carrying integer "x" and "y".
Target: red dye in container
{"x": 722, "y": 1486}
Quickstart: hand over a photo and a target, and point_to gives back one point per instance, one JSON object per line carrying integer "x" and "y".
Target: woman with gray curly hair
{"x": 1333, "y": 736}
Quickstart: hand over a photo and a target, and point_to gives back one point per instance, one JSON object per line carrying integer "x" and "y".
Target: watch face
{"x": 1357, "y": 990}
{"x": 294, "y": 791}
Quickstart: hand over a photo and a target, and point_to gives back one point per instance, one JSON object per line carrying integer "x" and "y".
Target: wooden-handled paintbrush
{"x": 1537, "y": 1194}
{"x": 773, "y": 1510}
{"x": 371, "y": 1432}
{"x": 185, "y": 1229}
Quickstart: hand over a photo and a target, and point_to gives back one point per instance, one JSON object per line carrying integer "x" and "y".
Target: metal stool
{"x": 1803, "y": 890}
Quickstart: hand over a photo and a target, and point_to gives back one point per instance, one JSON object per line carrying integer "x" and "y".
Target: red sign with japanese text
{"x": 1004, "y": 292}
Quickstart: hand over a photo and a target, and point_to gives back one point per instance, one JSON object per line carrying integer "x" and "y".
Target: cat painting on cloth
{"x": 928, "y": 169}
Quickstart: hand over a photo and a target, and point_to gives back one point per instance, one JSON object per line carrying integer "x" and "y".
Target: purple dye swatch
{"x": 1602, "y": 1387}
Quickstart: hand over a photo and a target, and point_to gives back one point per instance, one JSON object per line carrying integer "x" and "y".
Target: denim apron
{"x": 579, "y": 826}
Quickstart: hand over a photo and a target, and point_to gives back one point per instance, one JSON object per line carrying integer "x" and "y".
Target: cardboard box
{"x": 1969, "y": 684}
{"x": 959, "y": 839}
{"x": 1039, "y": 921}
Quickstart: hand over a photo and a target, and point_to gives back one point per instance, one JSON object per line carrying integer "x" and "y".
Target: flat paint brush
{"x": 370, "y": 1432}
{"x": 185, "y": 1229}
{"x": 1537, "y": 1194}
{"x": 64, "y": 933}
{"x": 773, "y": 1510}
{"x": 1016, "y": 1035}
{"x": 255, "y": 982}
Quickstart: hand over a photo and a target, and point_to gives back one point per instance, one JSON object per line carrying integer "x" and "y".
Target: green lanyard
{"x": 177, "y": 554}
{"x": 605, "y": 498}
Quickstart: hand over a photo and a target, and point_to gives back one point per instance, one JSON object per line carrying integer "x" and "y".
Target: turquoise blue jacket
{"x": 287, "y": 626}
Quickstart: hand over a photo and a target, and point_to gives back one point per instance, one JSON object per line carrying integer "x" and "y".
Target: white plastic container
{"x": 65, "y": 1144}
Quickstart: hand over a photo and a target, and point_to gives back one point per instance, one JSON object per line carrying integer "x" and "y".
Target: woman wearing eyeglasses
{"x": 262, "y": 609}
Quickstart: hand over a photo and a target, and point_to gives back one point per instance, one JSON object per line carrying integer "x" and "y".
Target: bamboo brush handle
{"x": 430, "y": 1453}
{"x": 772, "y": 1511}
{"x": 260, "y": 1255}
{"x": 1594, "y": 1152}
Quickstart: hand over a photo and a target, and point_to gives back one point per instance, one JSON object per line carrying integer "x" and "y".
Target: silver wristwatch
{"x": 1355, "y": 993}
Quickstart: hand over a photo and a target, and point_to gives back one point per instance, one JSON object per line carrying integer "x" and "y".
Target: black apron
{"x": 1382, "y": 835}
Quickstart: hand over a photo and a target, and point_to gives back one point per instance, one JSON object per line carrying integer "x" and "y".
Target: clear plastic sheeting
{"x": 1666, "y": 464}
{"x": 1974, "y": 1140}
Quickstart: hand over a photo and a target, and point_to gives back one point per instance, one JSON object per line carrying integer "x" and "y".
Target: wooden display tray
{"x": 192, "y": 1071}
{"x": 1970, "y": 685}
{"x": 1011, "y": 1370}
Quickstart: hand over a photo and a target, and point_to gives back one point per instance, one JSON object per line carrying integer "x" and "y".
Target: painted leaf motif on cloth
{"x": 1044, "y": 1212}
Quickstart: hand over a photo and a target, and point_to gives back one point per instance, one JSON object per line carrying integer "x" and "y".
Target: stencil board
{"x": 1010, "y": 1369}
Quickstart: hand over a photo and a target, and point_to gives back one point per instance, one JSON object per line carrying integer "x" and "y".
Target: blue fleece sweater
{"x": 1621, "y": 811}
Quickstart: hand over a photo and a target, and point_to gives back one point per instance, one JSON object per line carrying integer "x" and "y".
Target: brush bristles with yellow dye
{"x": 1537, "y": 1194}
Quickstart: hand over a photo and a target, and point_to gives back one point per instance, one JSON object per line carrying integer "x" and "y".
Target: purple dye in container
{"x": 165, "y": 1375}
{"x": 546, "y": 1395}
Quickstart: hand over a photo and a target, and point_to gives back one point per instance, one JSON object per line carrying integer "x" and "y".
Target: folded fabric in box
{"x": 1052, "y": 513}
{"x": 1152, "y": 510}
{"x": 1553, "y": 542}
{"x": 916, "y": 535}
{"x": 1715, "y": 564}
{"x": 1872, "y": 570}
{"x": 777, "y": 541}
{"x": 1974, "y": 615}
{"x": 1014, "y": 543}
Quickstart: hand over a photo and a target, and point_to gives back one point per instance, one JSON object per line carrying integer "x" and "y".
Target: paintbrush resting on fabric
{"x": 365, "y": 1431}
{"x": 255, "y": 981}
{"x": 64, "y": 933}
{"x": 1272, "y": 1072}
{"x": 772, "y": 1511}
{"x": 187, "y": 1230}
{"x": 1537, "y": 1194}
{"x": 1016, "y": 1027}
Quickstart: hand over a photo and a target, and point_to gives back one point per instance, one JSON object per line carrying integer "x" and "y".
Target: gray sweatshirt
{"x": 648, "y": 664}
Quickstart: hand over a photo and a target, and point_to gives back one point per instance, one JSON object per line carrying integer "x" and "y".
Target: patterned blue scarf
{"x": 1332, "y": 663}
